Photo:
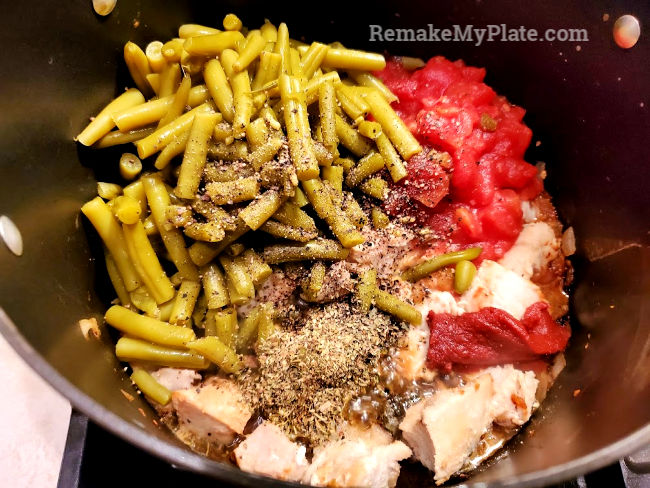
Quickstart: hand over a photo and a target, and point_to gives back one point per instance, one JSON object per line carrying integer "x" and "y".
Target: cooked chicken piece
{"x": 547, "y": 377}
{"x": 362, "y": 458}
{"x": 214, "y": 411}
{"x": 383, "y": 249}
{"x": 337, "y": 283}
{"x": 268, "y": 451}
{"x": 514, "y": 399}
{"x": 410, "y": 360}
{"x": 529, "y": 211}
{"x": 444, "y": 429}
{"x": 176, "y": 378}
{"x": 533, "y": 250}
{"x": 496, "y": 286}
{"x": 276, "y": 289}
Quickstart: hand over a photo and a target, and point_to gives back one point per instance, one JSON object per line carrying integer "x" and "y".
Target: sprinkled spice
{"x": 311, "y": 368}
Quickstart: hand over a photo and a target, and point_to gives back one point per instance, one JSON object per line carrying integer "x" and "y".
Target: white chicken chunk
{"x": 176, "y": 378}
{"x": 268, "y": 451}
{"x": 214, "y": 411}
{"x": 535, "y": 247}
{"x": 497, "y": 286}
{"x": 362, "y": 458}
{"x": 445, "y": 429}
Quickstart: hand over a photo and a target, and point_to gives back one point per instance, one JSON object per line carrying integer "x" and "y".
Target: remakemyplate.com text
{"x": 477, "y": 35}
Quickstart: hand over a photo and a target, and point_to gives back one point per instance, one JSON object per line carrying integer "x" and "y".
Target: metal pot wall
{"x": 588, "y": 107}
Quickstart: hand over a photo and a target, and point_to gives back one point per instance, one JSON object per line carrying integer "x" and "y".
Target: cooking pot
{"x": 587, "y": 105}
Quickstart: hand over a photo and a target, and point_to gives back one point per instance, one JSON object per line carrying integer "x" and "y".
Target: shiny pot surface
{"x": 588, "y": 107}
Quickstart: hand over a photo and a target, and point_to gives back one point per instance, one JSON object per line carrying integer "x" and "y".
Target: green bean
{"x": 165, "y": 310}
{"x": 180, "y": 100}
{"x": 138, "y": 66}
{"x": 148, "y": 328}
{"x": 293, "y": 215}
{"x": 323, "y": 155}
{"x": 165, "y": 135}
{"x": 242, "y": 96}
{"x": 232, "y": 23}
{"x": 265, "y": 152}
{"x": 463, "y": 276}
{"x": 411, "y": 64}
{"x": 266, "y": 327}
{"x": 352, "y": 59}
{"x": 375, "y": 187}
{"x": 327, "y": 111}
{"x": 235, "y": 151}
{"x": 379, "y": 218}
{"x": 202, "y": 253}
{"x": 350, "y": 138}
{"x": 142, "y": 300}
{"x": 366, "y": 289}
{"x": 346, "y": 163}
{"x": 370, "y": 81}
{"x": 200, "y": 309}
{"x": 214, "y": 285}
{"x": 392, "y": 160}
{"x": 299, "y": 199}
{"x": 184, "y": 303}
{"x": 235, "y": 249}
{"x": 150, "y": 387}
{"x": 223, "y": 133}
{"x": 371, "y": 130}
{"x": 353, "y": 210}
{"x": 170, "y": 78}
{"x": 325, "y": 249}
{"x": 255, "y": 44}
{"x": 111, "y": 233}
{"x": 211, "y": 231}
{"x": 282, "y": 48}
{"x": 257, "y": 267}
{"x": 298, "y": 131}
{"x": 421, "y": 270}
{"x": 126, "y": 209}
{"x": 213, "y": 44}
{"x": 260, "y": 210}
{"x": 315, "y": 281}
{"x": 116, "y": 279}
{"x": 108, "y": 191}
{"x": 269, "y": 31}
{"x": 128, "y": 349}
{"x": 237, "y": 272}
{"x": 170, "y": 151}
{"x": 226, "y": 324}
{"x": 229, "y": 192}
{"x": 118, "y": 137}
{"x": 321, "y": 200}
{"x": 217, "y": 352}
{"x": 159, "y": 200}
{"x": 136, "y": 191}
{"x": 396, "y": 307}
{"x": 289, "y": 232}
{"x": 130, "y": 166}
{"x": 394, "y": 128}
{"x": 312, "y": 59}
{"x": 247, "y": 330}
{"x": 195, "y": 155}
{"x": 154, "y": 54}
{"x": 313, "y": 86}
{"x": 353, "y": 106}
{"x": 209, "y": 324}
{"x": 220, "y": 90}
{"x": 150, "y": 226}
{"x": 103, "y": 122}
{"x": 368, "y": 165}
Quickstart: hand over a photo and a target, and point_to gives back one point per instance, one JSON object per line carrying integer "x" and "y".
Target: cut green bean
{"x": 217, "y": 352}
{"x": 184, "y": 303}
{"x": 424, "y": 269}
{"x": 325, "y": 249}
{"x": 214, "y": 285}
{"x": 148, "y": 328}
{"x": 128, "y": 349}
{"x": 148, "y": 385}
{"x": 464, "y": 275}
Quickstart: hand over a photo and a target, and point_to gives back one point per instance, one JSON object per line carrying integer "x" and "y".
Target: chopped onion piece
{"x": 11, "y": 235}
{"x": 568, "y": 242}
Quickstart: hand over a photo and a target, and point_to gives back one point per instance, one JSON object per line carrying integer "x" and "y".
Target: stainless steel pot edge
{"x": 184, "y": 459}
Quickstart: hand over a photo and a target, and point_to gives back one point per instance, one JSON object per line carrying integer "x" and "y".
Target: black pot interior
{"x": 587, "y": 107}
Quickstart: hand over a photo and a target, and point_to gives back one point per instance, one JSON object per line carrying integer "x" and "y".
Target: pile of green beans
{"x": 238, "y": 132}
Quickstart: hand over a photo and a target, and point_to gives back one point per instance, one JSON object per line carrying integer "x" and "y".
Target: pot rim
{"x": 184, "y": 459}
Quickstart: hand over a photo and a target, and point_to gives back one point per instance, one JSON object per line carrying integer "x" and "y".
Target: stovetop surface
{"x": 94, "y": 458}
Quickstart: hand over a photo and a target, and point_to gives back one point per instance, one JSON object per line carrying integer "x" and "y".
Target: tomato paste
{"x": 468, "y": 183}
{"x": 492, "y": 336}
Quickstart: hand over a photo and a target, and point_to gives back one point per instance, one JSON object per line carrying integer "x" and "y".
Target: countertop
{"x": 34, "y": 424}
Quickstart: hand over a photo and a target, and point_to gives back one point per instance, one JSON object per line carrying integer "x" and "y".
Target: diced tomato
{"x": 446, "y": 105}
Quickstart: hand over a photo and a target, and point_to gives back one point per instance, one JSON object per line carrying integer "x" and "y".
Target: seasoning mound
{"x": 311, "y": 369}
